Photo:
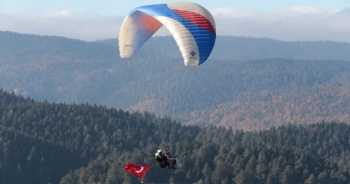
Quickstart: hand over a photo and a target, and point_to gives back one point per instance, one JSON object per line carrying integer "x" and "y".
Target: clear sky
{"x": 288, "y": 20}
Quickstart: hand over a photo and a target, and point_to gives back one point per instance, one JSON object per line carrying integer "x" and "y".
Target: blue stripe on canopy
{"x": 205, "y": 39}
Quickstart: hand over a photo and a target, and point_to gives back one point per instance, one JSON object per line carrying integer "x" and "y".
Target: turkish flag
{"x": 137, "y": 170}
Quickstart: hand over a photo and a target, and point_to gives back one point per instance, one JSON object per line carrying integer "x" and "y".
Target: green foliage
{"x": 248, "y": 83}
{"x": 43, "y": 142}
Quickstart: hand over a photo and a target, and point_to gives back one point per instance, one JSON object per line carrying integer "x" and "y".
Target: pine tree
{"x": 311, "y": 179}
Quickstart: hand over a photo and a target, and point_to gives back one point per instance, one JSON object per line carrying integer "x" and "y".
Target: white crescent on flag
{"x": 138, "y": 171}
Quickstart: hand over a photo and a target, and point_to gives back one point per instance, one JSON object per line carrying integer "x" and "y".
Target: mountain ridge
{"x": 221, "y": 91}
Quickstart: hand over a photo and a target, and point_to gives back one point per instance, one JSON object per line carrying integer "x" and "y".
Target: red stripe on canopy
{"x": 197, "y": 19}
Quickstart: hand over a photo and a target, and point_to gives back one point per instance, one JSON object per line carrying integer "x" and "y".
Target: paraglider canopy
{"x": 191, "y": 25}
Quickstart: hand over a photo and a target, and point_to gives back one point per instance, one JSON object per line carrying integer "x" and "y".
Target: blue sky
{"x": 288, "y": 20}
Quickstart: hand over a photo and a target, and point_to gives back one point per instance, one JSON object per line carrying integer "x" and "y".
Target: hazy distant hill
{"x": 243, "y": 48}
{"x": 247, "y": 83}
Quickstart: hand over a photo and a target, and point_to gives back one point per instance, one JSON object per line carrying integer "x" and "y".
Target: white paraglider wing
{"x": 191, "y": 25}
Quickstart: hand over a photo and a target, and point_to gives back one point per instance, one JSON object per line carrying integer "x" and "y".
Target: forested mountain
{"x": 44, "y": 142}
{"x": 247, "y": 83}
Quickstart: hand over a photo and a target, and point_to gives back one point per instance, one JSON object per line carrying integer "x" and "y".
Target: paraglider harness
{"x": 162, "y": 160}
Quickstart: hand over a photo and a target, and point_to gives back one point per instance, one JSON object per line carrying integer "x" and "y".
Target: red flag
{"x": 137, "y": 170}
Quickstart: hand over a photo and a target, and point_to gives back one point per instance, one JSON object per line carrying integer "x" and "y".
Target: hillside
{"x": 258, "y": 110}
{"x": 247, "y": 83}
{"x": 80, "y": 143}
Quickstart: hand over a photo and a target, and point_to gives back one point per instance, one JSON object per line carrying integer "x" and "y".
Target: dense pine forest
{"x": 258, "y": 111}
{"x": 43, "y": 142}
